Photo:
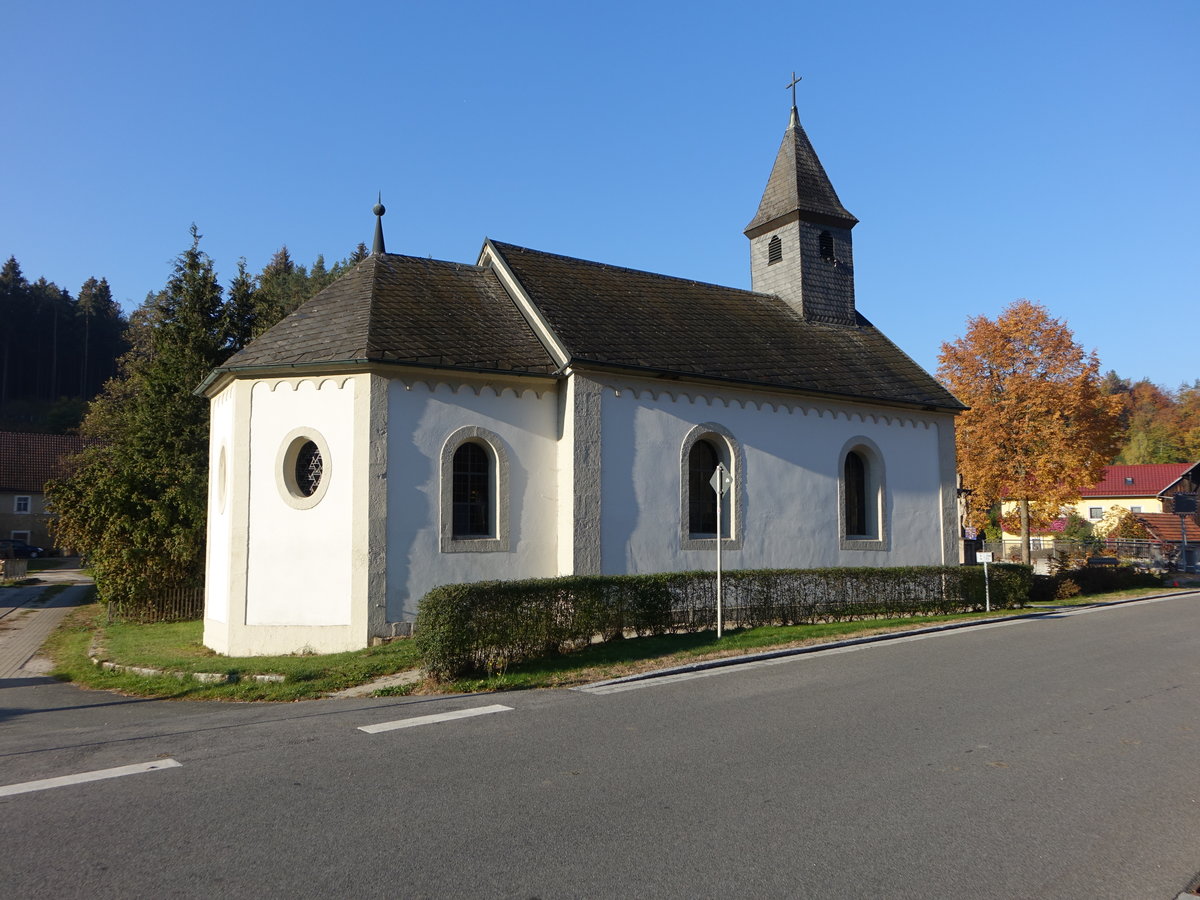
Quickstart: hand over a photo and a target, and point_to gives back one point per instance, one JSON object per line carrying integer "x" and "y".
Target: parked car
{"x": 15, "y": 549}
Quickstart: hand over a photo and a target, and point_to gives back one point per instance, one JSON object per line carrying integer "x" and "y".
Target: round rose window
{"x": 309, "y": 468}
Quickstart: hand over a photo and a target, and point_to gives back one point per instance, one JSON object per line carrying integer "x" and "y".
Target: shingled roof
{"x": 28, "y": 461}
{"x": 404, "y": 309}
{"x": 798, "y": 183}
{"x": 623, "y": 317}
{"x": 414, "y": 311}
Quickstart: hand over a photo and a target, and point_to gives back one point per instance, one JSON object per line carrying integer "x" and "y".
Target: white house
{"x": 423, "y": 422}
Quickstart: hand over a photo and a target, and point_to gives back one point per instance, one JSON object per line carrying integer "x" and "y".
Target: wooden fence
{"x": 175, "y": 605}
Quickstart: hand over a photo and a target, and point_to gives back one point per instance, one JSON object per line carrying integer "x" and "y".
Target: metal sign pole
{"x": 720, "y": 482}
{"x": 719, "y": 617}
{"x": 987, "y": 589}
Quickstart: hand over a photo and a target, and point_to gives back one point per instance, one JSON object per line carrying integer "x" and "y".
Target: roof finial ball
{"x": 379, "y": 210}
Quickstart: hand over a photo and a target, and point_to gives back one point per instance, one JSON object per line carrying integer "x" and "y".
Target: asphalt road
{"x": 1039, "y": 759}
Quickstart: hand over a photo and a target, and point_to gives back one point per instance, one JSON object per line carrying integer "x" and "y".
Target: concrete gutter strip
{"x": 726, "y": 661}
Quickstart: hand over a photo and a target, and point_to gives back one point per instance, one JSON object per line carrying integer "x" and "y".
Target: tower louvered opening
{"x": 827, "y": 246}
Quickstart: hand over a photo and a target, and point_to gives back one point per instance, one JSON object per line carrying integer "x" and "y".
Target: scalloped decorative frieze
{"x": 797, "y": 406}
{"x": 482, "y": 388}
{"x": 316, "y": 382}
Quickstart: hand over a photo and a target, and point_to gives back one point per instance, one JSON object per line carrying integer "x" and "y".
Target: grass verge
{"x": 176, "y": 647}
{"x": 1110, "y": 597}
{"x": 636, "y": 655}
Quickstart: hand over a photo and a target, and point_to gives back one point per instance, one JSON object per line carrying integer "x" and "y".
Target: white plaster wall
{"x": 421, "y": 416}
{"x": 220, "y": 522}
{"x": 790, "y": 482}
{"x": 299, "y": 561}
{"x": 565, "y": 485}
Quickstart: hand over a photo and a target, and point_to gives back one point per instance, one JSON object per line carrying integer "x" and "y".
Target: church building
{"x": 528, "y": 415}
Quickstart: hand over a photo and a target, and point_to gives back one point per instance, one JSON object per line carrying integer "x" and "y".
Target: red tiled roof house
{"x": 27, "y": 462}
{"x": 1144, "y": 489}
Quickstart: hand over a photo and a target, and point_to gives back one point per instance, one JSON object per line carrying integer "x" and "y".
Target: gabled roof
{"x": 1138, "y": 481}
{"x": 798, "y": 184}
{"x": 1165, "y": 527}
{"x": 28, "y": 461}
{"x": 612, "y": 316}
{"x": 404, "y": 309}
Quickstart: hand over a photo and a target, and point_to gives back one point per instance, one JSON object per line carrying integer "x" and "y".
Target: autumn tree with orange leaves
{"x": 1040, "y": 426}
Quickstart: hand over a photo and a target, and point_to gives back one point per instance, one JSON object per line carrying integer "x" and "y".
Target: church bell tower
{"x": 800, "y": 244}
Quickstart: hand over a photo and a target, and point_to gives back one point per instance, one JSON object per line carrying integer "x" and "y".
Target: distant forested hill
{"x": 56, "y": 350}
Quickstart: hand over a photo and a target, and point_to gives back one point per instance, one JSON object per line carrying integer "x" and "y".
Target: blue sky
{"x": 1045, "y": 150}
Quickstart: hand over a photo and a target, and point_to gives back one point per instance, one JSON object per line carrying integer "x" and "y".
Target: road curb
{"x": 202, "y": 677}
{"x": 726, "y": 661}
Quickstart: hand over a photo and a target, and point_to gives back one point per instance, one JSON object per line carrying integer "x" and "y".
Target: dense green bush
{"x": 488, "y": 625}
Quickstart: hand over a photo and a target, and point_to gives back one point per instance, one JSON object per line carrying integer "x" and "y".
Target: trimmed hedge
{"x": 488, "y": 625}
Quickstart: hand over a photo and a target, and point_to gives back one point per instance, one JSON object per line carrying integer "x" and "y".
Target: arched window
{"x": 702, "y": 499}
{"x": 862, "y": 495}
{"x": 703, "y": 447}
{"x": 472, "y": 492}
{"x": 855, "y": 480}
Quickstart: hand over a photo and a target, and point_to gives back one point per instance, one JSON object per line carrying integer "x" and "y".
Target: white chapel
{"x": 422, "y": 422}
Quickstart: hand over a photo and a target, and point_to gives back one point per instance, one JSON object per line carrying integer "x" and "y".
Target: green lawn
{"x": 627, "y": 657}
{"x": 176, "y": 647}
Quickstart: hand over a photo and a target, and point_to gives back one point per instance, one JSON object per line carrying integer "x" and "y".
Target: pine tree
{"x": 342, "y": 266}
{"x": 38, "y": 333}
{"x": 319, "y": 277}
{"x": 241, "y": 310}
{"x": 98, "y": 339}
{"x": 13, "y": 291}
{"x": 135, "y": 501}
{"x": 49, "y": 343}
{"x": 281, "y": 288}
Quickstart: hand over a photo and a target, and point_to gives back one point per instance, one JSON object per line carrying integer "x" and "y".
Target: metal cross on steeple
{"x": 795, "y": 81}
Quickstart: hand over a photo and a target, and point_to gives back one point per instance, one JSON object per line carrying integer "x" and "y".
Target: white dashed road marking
{"x": 430, "y": 720}
{"x": 98, "y": 775}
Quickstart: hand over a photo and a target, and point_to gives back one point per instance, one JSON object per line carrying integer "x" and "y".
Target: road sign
{"x": 721, "y": 479}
